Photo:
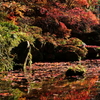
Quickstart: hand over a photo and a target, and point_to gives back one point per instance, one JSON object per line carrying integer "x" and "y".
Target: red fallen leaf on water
{"x": 57, "y": 98}
{"x": 22, "y": 86}
{"x": 5, "y": 94}
{"x": 3, "y": 79}
{"x": 43, "y": 98}
{"x": 22, "y": 98}
{"x": 25, "y": 89}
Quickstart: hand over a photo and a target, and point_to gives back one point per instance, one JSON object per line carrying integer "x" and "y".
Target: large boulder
{"x": 70, "y": 53}
{"x": 63, "y": 54}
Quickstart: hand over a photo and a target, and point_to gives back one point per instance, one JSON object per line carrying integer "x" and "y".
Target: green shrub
{"x": 7, "y": 42}
{"x": 9, "y": 26}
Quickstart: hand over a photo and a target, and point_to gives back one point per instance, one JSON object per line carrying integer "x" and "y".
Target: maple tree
{"x": 80, "y": 20}
{"x": 57, "y": 21}
{"x": 42, "y": 30}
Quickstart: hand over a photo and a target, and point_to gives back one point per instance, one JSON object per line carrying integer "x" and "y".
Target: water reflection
{"x": 87, "y": 88}
{"x": 60, "y": 89}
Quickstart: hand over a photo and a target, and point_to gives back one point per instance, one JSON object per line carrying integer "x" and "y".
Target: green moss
{"x": 81, "y": 52}
{"x": 61, "y": 41}
{"x": 75, "y": 45}
{"x": 78, "y": 68}
{"x": 74, "y": 41}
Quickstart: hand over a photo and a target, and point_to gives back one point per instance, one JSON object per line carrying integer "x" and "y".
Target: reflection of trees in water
{"x": 63, "y": 90}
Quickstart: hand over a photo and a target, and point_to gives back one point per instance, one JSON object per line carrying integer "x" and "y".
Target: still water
{"x": 59, "y": 88}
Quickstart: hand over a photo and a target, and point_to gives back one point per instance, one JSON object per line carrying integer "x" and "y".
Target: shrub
{"x": 9, "y": 39}
{"x": 9, "y": 26}
{"x": 7, "y": 42}
{"x": 79, "y": 20}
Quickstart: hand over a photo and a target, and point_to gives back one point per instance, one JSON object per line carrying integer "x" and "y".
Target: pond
{"x": 15, "y": 86}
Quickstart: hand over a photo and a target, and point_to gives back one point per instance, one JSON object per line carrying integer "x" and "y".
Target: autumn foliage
{"x": 50, "y": 24}
{"x": 81, "y": 89}
{"x": 57, "y": 32}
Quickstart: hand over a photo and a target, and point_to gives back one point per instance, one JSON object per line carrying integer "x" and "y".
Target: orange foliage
{"x": 92, "y": 2}
{"x": 82, "y": 3}
{"x": 79, "y": 90}
{"x": 43, "y": 98}
{"x": 80, "y": 20}
{"x": 41, "y": 1}
{"x": 24, "y": 98}
{"x": 13, "y": 10}
{"x": 64, "y": 29}
{"x": 91, "y": 81}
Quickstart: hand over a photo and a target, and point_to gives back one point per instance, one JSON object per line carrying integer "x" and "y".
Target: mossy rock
{"x": 61, "y": 49}
{"x": 74, "y": 41}
{"x": 70, "y": 53}
{"x": 71, "y": 72}
{"x": 62, "y": 54}
{"x": 76, "y": 70}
